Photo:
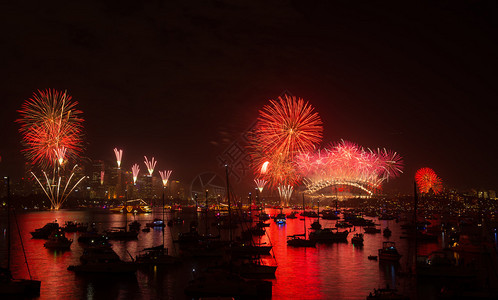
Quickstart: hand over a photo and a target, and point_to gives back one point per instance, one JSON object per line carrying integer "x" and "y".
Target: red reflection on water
{"x": 338, "y": 270}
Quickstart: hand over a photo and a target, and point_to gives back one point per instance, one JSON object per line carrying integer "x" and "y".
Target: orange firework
{"x": 285, "y": 128}
{"x": 50, "y": 122}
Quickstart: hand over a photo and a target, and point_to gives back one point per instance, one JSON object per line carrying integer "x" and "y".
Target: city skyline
{"x": 182, "y": 82}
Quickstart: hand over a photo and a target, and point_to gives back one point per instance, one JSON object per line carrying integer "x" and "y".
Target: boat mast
{"x": 8, "y": 222}
{"x": 304, "y": 219}
{"x": 415, "y": 204}
{"x": 206, "y": 213}
{"x": 163, "y": 215}
{"x": 229, "y": 212}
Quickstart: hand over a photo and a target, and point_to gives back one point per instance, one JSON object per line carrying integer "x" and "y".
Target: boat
{"x": 388, "y": 252}
{"x": 262, "y": 224}
{"x": 280, "y": 218}
{"x": 9, "y": 286}
{"x": 387, "y": 232}
{"x": 102, "y": 259}
{"x": 443, "y": 264}
{"x": 134, "y": 226}
{"x": 316, "y": 225}
{"x": 220, "y": 283}
{"x": 386, "y": 294}
{"x": 300, "y": 240}
{"x": 341, "y": 224}
{"x": 70, "y": 226}
{"x": 91, "y": 236}
{"x": 58, "y": 241}
{"x": 292, "y": 215}
{"x": 329, "y": 235}
{"x": 156, "y": 223}
{"x": 255, "y": 268}
{"x": 119, "y": 233}
{"x": 371, "y": 229}
{"x": 263, "y": 216}
{"x": 157, "y": 255}
{"x": 45, "y": 231}
{"x": 357, "y": 239}
{"x": 133, "y": 206}
{"x": 243, "y": 249}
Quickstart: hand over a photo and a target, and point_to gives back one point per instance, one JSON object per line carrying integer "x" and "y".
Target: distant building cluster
{"x": 103, "y": 181}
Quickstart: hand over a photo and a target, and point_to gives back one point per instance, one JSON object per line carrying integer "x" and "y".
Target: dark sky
{"x": 179, "y": 80}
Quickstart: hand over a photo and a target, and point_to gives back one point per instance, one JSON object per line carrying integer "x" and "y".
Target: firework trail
{"x": 150, "y": 165}
{"x": 60, "y": 155}
{"x": 119, "y": 156}
{"x": 427, "y": 180}
{"x": 135, "y": 169}
{"x": 165, "y": 176}
{"x": 49, "y": 122}
{"x": 260, "y": 183}
{"x": 264, "y": 167}
{"x": 285, "y": 192}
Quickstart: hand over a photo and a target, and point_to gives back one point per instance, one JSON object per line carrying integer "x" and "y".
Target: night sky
{"x": 180, "y": 80}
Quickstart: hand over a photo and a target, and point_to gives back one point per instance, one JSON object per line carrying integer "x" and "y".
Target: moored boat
{"x": 357, "y": 239}
{"x": 45, "y": 231}
{"x": 300, "y": 240}
{"x": 329, "y": 235}
{"x": 58, "y": 241}
{"x": 388, "y": 252}
{"x": 157, "y": 255}
{"x": 102, "y": 259}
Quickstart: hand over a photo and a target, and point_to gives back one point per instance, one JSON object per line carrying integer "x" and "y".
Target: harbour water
{"x": 329, "y": 271}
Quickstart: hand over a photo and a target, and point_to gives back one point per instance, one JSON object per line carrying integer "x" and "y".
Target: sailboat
{"x": 157, "y": 255}
{"x": 8, "y": 285}
{"x": 300, "y": 240}
{"x": 121, "y": 233}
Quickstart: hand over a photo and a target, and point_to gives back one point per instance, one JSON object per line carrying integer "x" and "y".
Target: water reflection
{"x": 338, "y": 270}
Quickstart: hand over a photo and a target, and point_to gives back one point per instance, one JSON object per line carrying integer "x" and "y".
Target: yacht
{"x": 156, "y": 256}
{"x": 388, "y": 252}
{"x": 102, "y": 259}
{"x": 299, "y": 240}
{"x": 45, "y": 231}
{"x": 58, "y": 241}
{"x": 357, "y": 239}
{"x": 329, "y": 235}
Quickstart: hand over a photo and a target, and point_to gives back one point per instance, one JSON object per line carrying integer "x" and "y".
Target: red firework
{"x": 285, "y": 128}
{"x": 427, "y": 180}
{"x": 288, "y": 126}
{"x": 49, "y": 122}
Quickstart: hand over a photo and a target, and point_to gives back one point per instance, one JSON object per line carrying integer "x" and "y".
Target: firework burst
{"x": 119, "y": 156}
{"x": 50, "y": 122}
{"x": 427, "y": 180}
{"x": 165, "y": 176}
{"x": 286, "y": 127}
{"x": 51, "y": 129}
{"x": 150, "y": 164}
{"x": 135, "y": 169}
{"x": 346, "y": 163}
{"x": 260, "y": 184}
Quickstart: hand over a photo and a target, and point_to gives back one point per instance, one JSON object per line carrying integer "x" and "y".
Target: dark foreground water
{"x": 335, "y": 271}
